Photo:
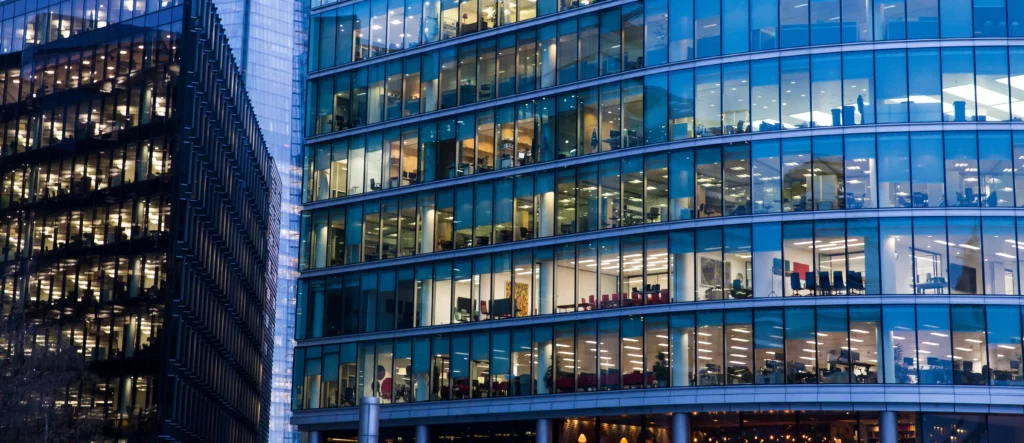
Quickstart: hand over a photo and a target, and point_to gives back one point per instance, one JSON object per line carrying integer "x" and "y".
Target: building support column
{"x": 887, "y": 425}
{"x": 543, "y": 430}
{"x": 680, "y": 427}
{"x": 422, "y": 434}
{"x": 314, "y": 437}
{"x": 369, "y": 420}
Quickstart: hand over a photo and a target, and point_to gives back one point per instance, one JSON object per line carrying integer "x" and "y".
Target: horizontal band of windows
{"x": 863, "y": 345}
{"x": 963, "y": 169}
{"x": 962, "y": 256}
{"x": 759, "y": 97}
{"x": 670, "y": 30}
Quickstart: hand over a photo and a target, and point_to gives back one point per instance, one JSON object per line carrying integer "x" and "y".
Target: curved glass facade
{"x": 652, "y": 204}
{"x": 741, "y": 100}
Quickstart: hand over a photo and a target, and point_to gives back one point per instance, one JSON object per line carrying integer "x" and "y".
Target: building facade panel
{"x": 664, "y": 220}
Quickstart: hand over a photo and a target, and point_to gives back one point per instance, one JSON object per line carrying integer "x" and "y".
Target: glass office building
{"x": 663, "y": 221}
{"x": 139, "y": 215}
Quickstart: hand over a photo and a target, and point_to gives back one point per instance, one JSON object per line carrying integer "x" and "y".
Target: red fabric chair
{"x": 583, "y": 301}
{"x": 483, "y": 308}
{"x": 636, "y": 299}
{"x": 385, "y": 389}
{"x": 615, "y": 299}
{"x": 605, "y": 301}
{"x": 593, "y": 303}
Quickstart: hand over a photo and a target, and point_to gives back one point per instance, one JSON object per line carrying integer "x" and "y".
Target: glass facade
{"x": 858, "y": 344}
{"x": 103, "y": 137}
{"x": 762, "y": 96}
{"x": 663, "y": 198}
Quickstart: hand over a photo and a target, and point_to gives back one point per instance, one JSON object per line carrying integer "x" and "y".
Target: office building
{"x": 139, "y": 215}
{"x": 663, "y": 220}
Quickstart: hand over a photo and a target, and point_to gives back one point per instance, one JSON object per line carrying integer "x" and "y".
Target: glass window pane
{"x": 680, "y": 30}
{"x": 892, "y": 97}
{"x": 894, "y": 171}
{"x": 709, "y": 260}
{"x": 927, "y": 170}
{"x": 1000, "y": 255}
{"x": 764, "y": 95}
{"x": 861, "y": 171}
{"x": 896, "y": 252}
{"x": 735, "y": 105}
{"x": 798, "y": 248}
{"x": 793, "y": 18}
{"x": 769, "y": 347}
{"x": 736, "y": 181}
{"x": 800, "y": 345}
{"x": 899, "y": 343}
{"x": 890, "y": 19}
{"x": 865, "y": 344}
{"x": 962, "y": 169}
{"x": 707, "y": 26}
{"x": 922, "y": 19}
{"x": 796, "y": 173}
{"x": 930, "y": 258}
{"x": 970, "y": 359}
{"x": 934, "y": 353}
{"x": 655, "y": 109}
{"x": 764, "y": 25}
{"x": 710, "y": 345}
{"x": 955, "y": 18}
{"x": 863, "y": 254}
{"x": 796, "y": 92}
{"x": 825, "y": 27}
{"x": 709, "y": 182}
{"x": 768, "y": 269}
{"x": 1004, "y": 345}
{"x": 958, "y": 98}
{"x": 738, "y": 265}
{"x": 834, "y": 354}
{"x": 656, "y": 32}
{"x": 735, "y": 26}
{"x": 996, "y": 165}
{"x": 926, "y": 101}
{"x": 828, "y": 172}
{"x": 681, "y": 104}
{"x": 766, "y": 177}
{"x": 965, "y": 259}
{"x": 739, "y": 360}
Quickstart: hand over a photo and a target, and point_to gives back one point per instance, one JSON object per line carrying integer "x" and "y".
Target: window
{"x": 800, "y": 349}
{"x": 710, "y": 345}
{"x": 656, "y": 30}
{"x": 707, "y": 26}
{"x": 900, "y": 344}
{"x": 764, "y": 95}
{"x": 680, "y": 30}
{"x": 709, "y": 100}
{"x": 1004, "y": 344}
{"x": 894, "y": 171}
{"x": 934, "y": 352}
{"x": 735, "y": 26}
{"x": 926, "y": 101}
{"x": 681, "y": 104}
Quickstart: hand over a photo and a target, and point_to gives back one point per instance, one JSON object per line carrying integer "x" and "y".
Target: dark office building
{"x": 139, "y": 214}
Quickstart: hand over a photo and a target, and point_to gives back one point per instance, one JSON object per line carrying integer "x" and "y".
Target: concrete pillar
{"x": 887, "y": 425}
{"x": 680, "y": 427}
{"x": 369, "y": 419}
{"x": 681, "y": 358}
{"x": 422, "y": 434}
{"x": 544, "y": 361}
{"x": 543, "y": 430}
{"x": 314, "y": 437}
